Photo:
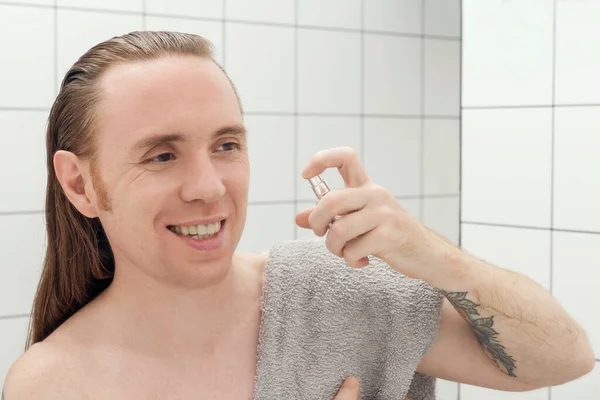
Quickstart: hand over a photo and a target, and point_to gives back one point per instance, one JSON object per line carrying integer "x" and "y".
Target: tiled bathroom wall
{"x": 381, "y": 76}
{"x": 530, "y": 146}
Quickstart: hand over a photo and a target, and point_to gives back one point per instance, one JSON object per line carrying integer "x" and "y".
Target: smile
{"x": 197, "y": 232}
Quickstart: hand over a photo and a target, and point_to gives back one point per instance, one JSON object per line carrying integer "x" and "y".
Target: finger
{"x": 344, "y": 159}
{"x": 356, "y": 252}
{"x": 350, "y": 227}
{"x": 302, "y": 218}
{"x": 350, "y": 390}
{"x": 337, "y": 203}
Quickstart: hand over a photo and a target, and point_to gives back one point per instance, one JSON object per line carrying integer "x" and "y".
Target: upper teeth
{"x": 198, "y": 229}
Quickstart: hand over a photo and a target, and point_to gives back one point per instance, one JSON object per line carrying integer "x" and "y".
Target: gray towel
{"x": 323, "y": 321}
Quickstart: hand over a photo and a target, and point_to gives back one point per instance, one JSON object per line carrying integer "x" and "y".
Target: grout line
{"x": 99, "y": 10}
{"x": 460, "y": 136}
{"x": 552, "y": 147}
{"x": 421, "y": 120}
{"x": 295, "y": 156}
{"x": 144, "y": 15}
{"x": 538, "y": 228}
{"x": 289, "y": 114}
{"x": 504, "y": 107}
{"x": 436, "y": 196}
{"x": 298, "y": 200}
{"x": 224, "y": 35}
{"x": 13, "y": 4}
{"x": 24, "y": 212}
{"x": 359, "y": 115}
{"x": 15, "y": 316}
{"x": 493, "y": 224}
{"x": 362, "y": 82}
{"x": 56, "y": 83}
{"x": 45, "y": 109}
{"x": 237, "y": 21}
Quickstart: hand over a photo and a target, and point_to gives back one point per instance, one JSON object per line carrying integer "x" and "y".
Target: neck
{"x": 152, "y": 316}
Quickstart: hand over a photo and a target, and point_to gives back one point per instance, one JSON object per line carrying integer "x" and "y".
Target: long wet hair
{"x": 79, "y": 263}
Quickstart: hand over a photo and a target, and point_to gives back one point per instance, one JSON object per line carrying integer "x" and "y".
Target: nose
{"x": 202, "y": 182}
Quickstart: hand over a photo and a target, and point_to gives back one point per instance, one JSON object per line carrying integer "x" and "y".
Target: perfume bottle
{"x": 320, "y": 189}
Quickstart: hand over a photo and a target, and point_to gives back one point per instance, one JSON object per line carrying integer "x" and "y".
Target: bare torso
{"x": 85, "y": 368}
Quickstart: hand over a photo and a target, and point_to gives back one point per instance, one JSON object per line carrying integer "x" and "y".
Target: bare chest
{"x": 223, "y": 378}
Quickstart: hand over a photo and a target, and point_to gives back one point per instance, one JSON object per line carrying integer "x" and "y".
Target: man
{"x": 161, "y": 160}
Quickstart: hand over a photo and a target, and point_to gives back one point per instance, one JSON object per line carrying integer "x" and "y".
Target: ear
{"x": 72, "y": 175}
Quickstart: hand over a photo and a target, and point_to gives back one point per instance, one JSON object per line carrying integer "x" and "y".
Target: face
{"x": 172, "y": 160}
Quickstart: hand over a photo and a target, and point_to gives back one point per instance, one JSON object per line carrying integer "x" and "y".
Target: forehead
{"x": 175, "y": 93}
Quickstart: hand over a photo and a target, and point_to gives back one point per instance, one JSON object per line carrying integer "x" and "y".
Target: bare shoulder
{"x": 256, "y": 262}
{"x": 40, "y": 373}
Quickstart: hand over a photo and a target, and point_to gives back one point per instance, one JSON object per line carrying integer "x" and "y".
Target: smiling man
{"x": 143, "y": 294}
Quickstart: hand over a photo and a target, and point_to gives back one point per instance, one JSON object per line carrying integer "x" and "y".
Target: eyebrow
{"x": 156, "y": 140}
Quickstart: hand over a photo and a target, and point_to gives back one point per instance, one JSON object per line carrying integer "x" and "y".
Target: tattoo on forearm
{"x": 482, "y": 327}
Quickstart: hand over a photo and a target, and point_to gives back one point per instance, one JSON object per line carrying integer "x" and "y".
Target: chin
{"x": 202, "y": 274}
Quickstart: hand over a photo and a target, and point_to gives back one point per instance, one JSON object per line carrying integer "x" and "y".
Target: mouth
{"x": 198, "y": 232}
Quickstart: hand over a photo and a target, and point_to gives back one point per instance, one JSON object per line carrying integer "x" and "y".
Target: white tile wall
{"x": 577, "y": 80}
{"x": 327, "y": 83}
{"x": 211, "y": 30}
{"x": 393, "y": 73}
{"x": 23, "y": 81}
{"x": 507, "y": 57}
{"x": 446, "y": 390}
{"x": 576, "y": 166}
{"x": 439, "y": 213}
{"x": 115, "y": 5}
{"x": 520, "y": 168}
{"x": 441, "y": 156}
{"x": 401, "y": 16}
{"x": 394, "y": 144}
{"x": 34, "y": 2}
{"x": 442, "y": 65}
{"x": 278, "y": 11}
{"x": 22, "y": 245}
{"x": 576, "y": 274}
{"x": 267, "y": 224}
{"x": 260, "y": 61}
{"x": 412, "y": 206}
{"x": 271, "y": 153}
{"x": 507, "y": 166}
{"x": 23, "y": 167}
{"x": 77, "y": 31}
{"x": 442, "y": 17}
{"x": 187, "y": 8}
{"x": 328, "y": 72}
{"x": 14, "y": 334}
{"x": 585, "y": 388}
{"x": 332, "y": 13}
{"x": 468, "y": 392}
{"x": 316, "y": 133}
{"x": 526, "y": 251}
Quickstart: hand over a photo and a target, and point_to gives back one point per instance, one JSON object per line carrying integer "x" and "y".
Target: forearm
{"x": 517, "y": 322}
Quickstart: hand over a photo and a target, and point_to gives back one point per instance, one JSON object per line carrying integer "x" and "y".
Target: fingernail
{"x": 351, "y": 382}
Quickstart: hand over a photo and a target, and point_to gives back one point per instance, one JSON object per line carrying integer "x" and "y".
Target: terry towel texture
{"x": 323, "y": 321}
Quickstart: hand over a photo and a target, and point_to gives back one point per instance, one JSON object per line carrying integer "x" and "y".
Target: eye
{"x": 230, "y": 146}
{"x": 162, "y": 158}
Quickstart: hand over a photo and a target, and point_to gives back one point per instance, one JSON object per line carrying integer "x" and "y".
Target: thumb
{"x": 350, "y": 390}
{"x": 302, "y": 219}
